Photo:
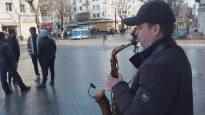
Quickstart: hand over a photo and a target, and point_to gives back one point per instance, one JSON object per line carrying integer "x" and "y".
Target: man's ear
{"x": 156, "y": 29}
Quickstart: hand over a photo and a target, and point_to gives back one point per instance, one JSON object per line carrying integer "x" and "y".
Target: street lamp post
{"x": 115, "y": 20}
{"x": 19, "y": 19}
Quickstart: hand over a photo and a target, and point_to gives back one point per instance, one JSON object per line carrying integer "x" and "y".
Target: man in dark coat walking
{"x": 163, "y": 84}
{"x": 46, "y": 55}
{"x": 15, "y": 49}
{"x": 6, "y": 61}
{"x": 13, "y": 43}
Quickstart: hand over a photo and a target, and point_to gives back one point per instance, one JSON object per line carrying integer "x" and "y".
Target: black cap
{"x": 154, "y": 12}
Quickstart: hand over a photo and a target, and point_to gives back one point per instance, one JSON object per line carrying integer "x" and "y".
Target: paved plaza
{"x": 78, "y": 63}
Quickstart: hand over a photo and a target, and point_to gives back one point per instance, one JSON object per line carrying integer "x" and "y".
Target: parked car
{"x": 180, "y": 34}
{"x": 80, "y": 33}
{"x": 67, "y": 33}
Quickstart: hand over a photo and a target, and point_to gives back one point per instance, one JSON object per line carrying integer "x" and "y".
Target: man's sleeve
{"x": 18, "y": 49}
{"x": 29, "y": 45}
{"x": 39, "y": 47}
{"x": 155, "y": 95}
{"x": 10, "y": 58}
{"x": 54, "y": 44}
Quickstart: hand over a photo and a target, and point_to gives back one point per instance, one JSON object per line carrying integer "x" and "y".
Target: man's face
{"x": 146, "y": 34}
{"x": 33, "y": 31}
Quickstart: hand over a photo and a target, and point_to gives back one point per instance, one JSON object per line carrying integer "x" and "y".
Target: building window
{"x": 8, "y": 6}
{"x": 74, "y": 9}
{"x": 97, "y": 7}
{"x": 22, "y": 8}
{"x": 94, "y": 15}
{"x": 98, "y": 15}
{"x": 93, "y": 7}
{"x": 103, "y": 14}
{"x": 74, "y": 2}
{"x": 81, "y": 8}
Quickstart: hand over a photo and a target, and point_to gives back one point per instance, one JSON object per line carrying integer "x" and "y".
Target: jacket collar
{"x": 34, "y": 36}
{"x": 156, "y": 47}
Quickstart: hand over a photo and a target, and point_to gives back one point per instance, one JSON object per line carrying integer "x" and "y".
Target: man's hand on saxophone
{"x": 112, "y": 81}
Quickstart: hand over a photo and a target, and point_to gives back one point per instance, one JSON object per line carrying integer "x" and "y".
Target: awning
{"x": 8, "y": 22}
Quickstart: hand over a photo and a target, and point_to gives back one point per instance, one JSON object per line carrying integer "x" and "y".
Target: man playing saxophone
{"x": 163, "y": 84}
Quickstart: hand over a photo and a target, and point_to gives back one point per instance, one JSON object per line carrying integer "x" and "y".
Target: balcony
{"x": 201, "y": 8}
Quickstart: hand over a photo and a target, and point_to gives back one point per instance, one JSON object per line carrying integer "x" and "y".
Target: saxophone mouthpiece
{"x": 92, "y": 85}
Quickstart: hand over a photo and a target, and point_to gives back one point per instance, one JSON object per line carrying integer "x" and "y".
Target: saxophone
{"x": 100, "y": 96}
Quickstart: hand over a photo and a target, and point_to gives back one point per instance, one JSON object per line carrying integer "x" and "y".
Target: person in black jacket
{"x": 13, "y": 42}
{"x": 163, "y": 84}
{"x": 46, "y": 55}
{"x": 15, "y": 49}
{"x": 6, "y": 60}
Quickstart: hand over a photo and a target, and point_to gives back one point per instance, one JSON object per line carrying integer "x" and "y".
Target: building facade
{"x": 110, "y": 11}
{"x": 16, "y": 14}
{"x": 104, "y": 9}
{"x": 201, "y": 16}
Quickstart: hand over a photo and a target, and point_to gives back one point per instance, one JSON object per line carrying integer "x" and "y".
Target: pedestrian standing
{"x": 46, "y": 55}
{"x": 32, "y": 50}
{"x": 104, "y": 38}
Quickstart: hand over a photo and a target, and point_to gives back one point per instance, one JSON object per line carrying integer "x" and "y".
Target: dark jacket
{"x": 163, "y": 84}
{"x": 46, "y": 49}
{"x": 14, "y": 45}
{"x": 6, "y": 57}
{"x": 32, "y": 45}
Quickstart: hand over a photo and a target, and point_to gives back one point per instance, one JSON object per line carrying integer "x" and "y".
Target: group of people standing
{"x": 41, "y": 48}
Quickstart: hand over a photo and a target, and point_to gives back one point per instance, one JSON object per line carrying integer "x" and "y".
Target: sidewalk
{"x": 119, "y": 41}
{"x": 197, "y": 42}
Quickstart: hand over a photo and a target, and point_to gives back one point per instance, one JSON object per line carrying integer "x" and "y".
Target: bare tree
{"x": 62, "y": 9}
{"x": 121, "y": 10}
{"x": 176, "y": 5}
{"x": 35, "y": 10}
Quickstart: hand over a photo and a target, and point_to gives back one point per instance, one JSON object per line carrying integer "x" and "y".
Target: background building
{"x": 16, "y": 14}
{"x": 103, "y": 13}
{"x": 201, "y": 16}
